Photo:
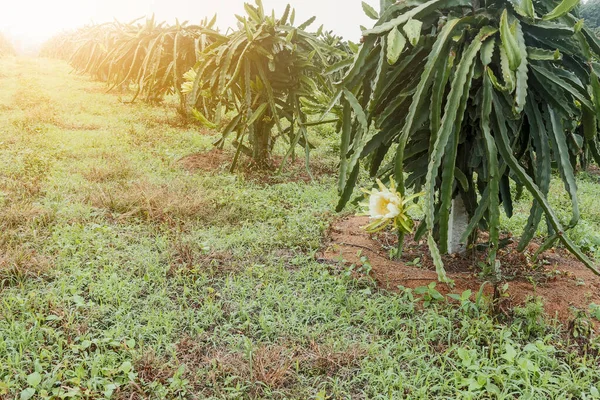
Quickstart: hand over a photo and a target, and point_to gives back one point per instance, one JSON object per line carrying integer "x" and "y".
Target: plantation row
{"x": 151, "y": 55}
{"x": 263, "y": 74}
{"x": 470, "y": 104}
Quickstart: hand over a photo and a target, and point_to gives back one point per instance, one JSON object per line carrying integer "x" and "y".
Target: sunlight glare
{"x": 31, "y": 22}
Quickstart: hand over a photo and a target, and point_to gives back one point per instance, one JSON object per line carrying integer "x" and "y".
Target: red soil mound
{"x": 559, "y": 279}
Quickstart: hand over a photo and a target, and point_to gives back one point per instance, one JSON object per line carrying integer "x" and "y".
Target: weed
{"x": 429, "y": 293}
{"x": 595, "y": 311}
{"x": 530, "y": 317}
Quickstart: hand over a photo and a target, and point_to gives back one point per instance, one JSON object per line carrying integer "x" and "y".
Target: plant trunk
{"x": 261, "y": 144}
{"x": 459, "y": 220}
{"x": 400, "y": 245}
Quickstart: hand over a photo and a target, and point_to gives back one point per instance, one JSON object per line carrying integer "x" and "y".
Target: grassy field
{"x": 122, "y": 275}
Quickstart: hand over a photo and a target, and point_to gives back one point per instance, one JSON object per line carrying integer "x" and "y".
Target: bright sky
{"x": 30, "y": 22}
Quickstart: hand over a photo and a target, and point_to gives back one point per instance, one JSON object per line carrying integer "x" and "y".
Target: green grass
{"x": 587, "y": 233}
{"x": 123, "y": 274}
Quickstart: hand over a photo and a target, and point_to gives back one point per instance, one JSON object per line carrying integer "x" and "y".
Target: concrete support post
{"x": 459, "y": 220}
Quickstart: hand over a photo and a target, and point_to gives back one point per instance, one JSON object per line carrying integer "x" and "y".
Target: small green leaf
{"x": 413, "y": 31}
{"x": 492, "y": 388}
{"x": 510, "y": 353}
{"x": 34, "y": 379}
{"x": 370, "y": 11}
{"x": 109, "y": 389}
{"x": 395, "y": 45}
{"x": 557, "y": 55}
{"x": 322, "y": 395}
{"x": 465, "y": 357}
{"x": 125, "y": 367}
{"x": 27, "y": 394}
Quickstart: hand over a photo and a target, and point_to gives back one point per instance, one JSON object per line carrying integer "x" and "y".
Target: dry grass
{"x": 110, "y": 170}
{"x": 174, "y": 120}
{"x": 37, "y": 107}
{"x": 172, "y": 203}
{"x": 20, "y": 214}
{"x": 272, "y": 366}
{"x": 150, "y": 202}
{"x": 188, "y": 257}
{"x": 20, "y": 211}
{"x": 25, "y": 181}
{"x": 35, "y": 112}
{"x": 20, "y": 264}
{"x": 22, "y": 188}
{"x": 27, "y": 96}
{"x": 147, "y": 135}
{"x": 41, "y": 114}
{"x": 106, "y": 173}
{"x": 268, "y": 366}
{"x": 150, "y": 368}
{"x": 326, "y": 360}
{"x": 76, "y": 126}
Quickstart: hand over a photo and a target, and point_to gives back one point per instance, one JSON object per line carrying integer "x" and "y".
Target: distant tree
{"x": 263, "y": 73}
{"x": 590, "y": 11}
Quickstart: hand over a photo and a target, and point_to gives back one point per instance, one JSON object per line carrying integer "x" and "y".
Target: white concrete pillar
{"x": 459, "y": 220}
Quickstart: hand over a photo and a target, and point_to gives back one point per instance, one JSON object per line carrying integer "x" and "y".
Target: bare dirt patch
{"x": 558, "y": 278}
{"x": 215, "y": 160}
{"x": 218, "y": 160}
